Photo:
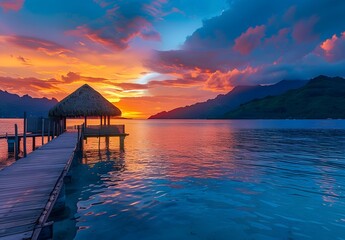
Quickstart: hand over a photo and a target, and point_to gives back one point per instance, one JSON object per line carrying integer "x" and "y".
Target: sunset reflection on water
{"x": 195, "y": 179}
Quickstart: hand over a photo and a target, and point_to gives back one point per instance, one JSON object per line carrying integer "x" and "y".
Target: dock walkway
{"x": 30, "y": 187}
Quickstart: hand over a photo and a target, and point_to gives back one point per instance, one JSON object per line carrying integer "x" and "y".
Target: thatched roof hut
{"x": 83, "y": 102}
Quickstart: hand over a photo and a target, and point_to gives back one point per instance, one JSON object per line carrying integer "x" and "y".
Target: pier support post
{"x": 49, "y": 130}
{"x": 107, "y": 143}
{"x": 16, "y": 142}
{"x": 47, "y": 231}
{"x": 10, "y": 144}
{"x": 60, "y": 201}
{"x": 24, "y": 134}
{"x": 53, "y": 136}
{"x": 33, "y": 143}
{"x": 42, "y": 131}
{"x": 122, "y": 143}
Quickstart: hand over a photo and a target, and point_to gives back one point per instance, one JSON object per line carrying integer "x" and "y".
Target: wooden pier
{"x": 30, "y": 187}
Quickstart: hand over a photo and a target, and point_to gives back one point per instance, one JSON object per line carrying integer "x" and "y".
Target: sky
{"x": 147, "y": 56}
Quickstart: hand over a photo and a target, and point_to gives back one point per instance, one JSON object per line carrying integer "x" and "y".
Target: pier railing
{"x": 104, "y": 130}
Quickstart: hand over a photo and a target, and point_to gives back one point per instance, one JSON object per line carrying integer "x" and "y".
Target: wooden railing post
{"x": 24, "y": 134}
{"x": 49, "y": 130}
{"x": 42, "y": 131}
{"x": 16, "y": 142}
{"x": 53, "y": 136}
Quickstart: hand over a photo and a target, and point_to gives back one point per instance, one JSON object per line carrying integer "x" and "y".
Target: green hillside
{"x": 322, "y": 97}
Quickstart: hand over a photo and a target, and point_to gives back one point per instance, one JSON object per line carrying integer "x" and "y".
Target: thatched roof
{"x": 85, "y": 101}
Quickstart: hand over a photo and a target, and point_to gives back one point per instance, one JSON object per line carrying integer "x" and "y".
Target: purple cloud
{"x": 124, "y": 21}
{"x": 48, "y": 47}
{"x": 249, "y": 40}
{"x": 262, "y": 42}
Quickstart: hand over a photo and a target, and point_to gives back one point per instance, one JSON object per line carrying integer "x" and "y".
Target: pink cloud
{"x": 14, "y": 5}
{"x": 303, "y": 30}
{"x": 225, "y": 81}
{"x": 249, "y": 40}
{"x": 76, "y": 77}
{"x": 333, "y": 48}
{"x": 30, "y": 85}
{"x": 279, "y": 38}
{"x": 150, "y": 35}
{"x": 48, "y": 47}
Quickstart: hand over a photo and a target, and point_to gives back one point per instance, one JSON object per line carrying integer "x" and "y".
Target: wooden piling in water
{"x": 49, "y": 130}
{"x": 16, "y": 142}
{"x": 24, "y": 134}
{"x": 42, "y": 131}
{"x": 122, "y": 143}
{"x": 53, "y": 130}
{"x": 33, "y": 143}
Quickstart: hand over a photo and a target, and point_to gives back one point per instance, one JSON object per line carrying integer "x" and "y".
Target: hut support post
{"x": 122, "y": 143}
{"x": 42, "y": 131}
{"x": 85, "y": 121}
{"x": 108, "y": 120}
{"x": 24, "y": 134}
{"x": 100, "y": 120}
{"x": 105, "y": 120}
{"x": 107, "y": 143}
{"x": 16, "y": 142}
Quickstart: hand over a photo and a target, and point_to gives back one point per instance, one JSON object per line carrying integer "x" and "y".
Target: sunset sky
{"x": 147, "y": 56}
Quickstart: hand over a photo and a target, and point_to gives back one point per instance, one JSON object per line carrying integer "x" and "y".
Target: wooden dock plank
{"x": 27, "y": 185}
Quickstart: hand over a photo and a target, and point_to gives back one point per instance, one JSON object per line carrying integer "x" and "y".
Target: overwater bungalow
{"x": 85, "y": 102}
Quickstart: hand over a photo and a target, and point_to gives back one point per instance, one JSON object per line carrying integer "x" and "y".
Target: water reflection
{"x": 212, "y": 181}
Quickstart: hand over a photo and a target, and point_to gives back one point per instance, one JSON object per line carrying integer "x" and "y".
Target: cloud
{"x": 304, "y": 29}
{"x": 76, "y": 77}
{"x": 14, "y": 5}
{"x": 23, "y": 60}
{"x": 123, "y": 22}
{"x": 132, "y": 86}
{"x": 261, "y": 41}
{"x": 33, "y": 86}
{"x": 45, "y": 46}
{"x": 333, "y": 49}
{"x": 249, "y": 40}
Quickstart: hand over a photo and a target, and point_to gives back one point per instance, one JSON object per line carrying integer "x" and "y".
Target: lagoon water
{"x": 205, "y": 179}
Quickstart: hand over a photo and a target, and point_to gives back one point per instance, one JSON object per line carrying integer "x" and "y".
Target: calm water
{"x": 192, "y": 179}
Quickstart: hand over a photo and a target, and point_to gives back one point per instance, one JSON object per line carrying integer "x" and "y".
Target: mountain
{"x": 217, "y": 107}
{"x": 322, "y": 97}
{"x": 12, "y": 105}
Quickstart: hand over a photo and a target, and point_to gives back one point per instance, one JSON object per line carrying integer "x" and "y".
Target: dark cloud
{"x": 32, "y": 86}
{"x": 48, "y": 47}
{"x": 23, "y": 60}
{"x": 76, "y": 77}
{"x": 262, "y": 42}
{"x": 124, "y": 20}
